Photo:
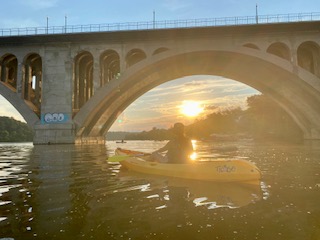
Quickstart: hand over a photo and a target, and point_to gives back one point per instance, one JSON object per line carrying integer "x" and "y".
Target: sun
{"x": 191, "y": 108}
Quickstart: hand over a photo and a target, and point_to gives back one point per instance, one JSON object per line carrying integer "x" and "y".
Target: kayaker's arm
{"x": 163, "y": 149}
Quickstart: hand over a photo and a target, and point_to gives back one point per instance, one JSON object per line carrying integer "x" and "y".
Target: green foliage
{"x": 222, "y": 122}
{"x": 154, "y": 134}
{"x": 265, "y": 119}
{"x": 12, "y": 130}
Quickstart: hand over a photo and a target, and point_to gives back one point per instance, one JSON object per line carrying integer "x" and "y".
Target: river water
{"x": 72, "y": 192}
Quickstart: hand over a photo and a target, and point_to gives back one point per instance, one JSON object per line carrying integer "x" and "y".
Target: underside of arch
{"x": 268, "y": 74}
{"x": 20, "y": 105}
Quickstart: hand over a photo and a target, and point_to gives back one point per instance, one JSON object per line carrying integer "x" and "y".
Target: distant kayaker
{"x": 178, "y": 149}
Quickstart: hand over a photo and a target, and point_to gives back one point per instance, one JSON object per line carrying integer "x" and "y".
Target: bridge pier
{"x": 314, "y": 134}
{"x": 90, "y": 140}
{"x": 62, "y": 134}
{"x": 54, "y": 134}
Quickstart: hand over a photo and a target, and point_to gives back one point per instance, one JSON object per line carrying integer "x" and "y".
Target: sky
{"x": 165, "y": 102}
{"x": 160, "y": 106}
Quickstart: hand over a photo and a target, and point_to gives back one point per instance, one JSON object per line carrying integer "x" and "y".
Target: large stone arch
{"x": 20, "y": 105}
{"x": 295, "y": 89}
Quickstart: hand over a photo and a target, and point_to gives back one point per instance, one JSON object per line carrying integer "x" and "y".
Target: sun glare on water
{"x": 191, "y": 108}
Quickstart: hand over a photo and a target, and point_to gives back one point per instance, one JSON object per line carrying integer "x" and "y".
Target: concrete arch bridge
{"x": 70, "y": 88}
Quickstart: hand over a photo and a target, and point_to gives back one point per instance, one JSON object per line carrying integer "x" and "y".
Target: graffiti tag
{"x": 48, "y": 118}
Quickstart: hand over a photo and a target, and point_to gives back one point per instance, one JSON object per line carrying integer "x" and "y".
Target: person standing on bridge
{"x": 178, "y": 149}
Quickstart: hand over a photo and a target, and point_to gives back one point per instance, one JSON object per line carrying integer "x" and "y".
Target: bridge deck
{"x": 110, "y": 37}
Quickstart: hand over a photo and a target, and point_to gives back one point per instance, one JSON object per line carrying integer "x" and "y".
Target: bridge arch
{"x": 27, "y": 101}
{"x": 109, "y": 66}
{"x": 280, "y": 49}
{"x": 291, "y": 87}
{"x": 251, "y": 45}
{"x": 19, "y": 104}
{"x": 9, "y": 71}
{"x": 309, "y": 57}
{"x": 83, "y": 79}
{"x": 160, "y": 50}
{"x": 134, "y": 56}
{"x": 32, "y": 81}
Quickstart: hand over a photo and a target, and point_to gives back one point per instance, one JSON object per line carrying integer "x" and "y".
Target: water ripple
{"x": 72, "y": 192}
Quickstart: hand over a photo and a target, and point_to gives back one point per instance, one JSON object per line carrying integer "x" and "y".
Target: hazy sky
{"x": 159, "y": 107}
{"x": 32, "y": 13}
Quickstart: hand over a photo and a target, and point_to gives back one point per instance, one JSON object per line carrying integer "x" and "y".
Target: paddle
{"x": 118, "y": 158}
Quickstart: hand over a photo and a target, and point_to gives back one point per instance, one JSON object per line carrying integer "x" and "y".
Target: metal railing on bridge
{"x": 165, "y": 24}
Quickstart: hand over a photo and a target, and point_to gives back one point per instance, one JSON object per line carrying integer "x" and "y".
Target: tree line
{"x": 12, "y": 130}
{"x": 262, "y": 120}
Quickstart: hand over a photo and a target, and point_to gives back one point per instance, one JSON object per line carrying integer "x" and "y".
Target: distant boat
{"x": 122, "y": 141}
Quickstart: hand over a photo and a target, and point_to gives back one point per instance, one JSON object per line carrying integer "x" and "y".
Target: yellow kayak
{"x": 216, "y": 170}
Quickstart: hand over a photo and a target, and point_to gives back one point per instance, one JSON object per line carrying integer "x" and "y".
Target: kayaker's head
{"x": 178, "y": 129}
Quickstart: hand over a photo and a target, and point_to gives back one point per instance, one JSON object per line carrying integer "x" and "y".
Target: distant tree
{"x": 263, "y": 119}
{"x": 4, "y": 136}
{"x": 266, "y": 119}
{"x": 12, "y": 130}
{"x": 154, "y": 134}
{"x": 221, "y": 122}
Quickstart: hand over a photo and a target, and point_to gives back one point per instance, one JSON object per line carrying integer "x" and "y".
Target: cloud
{"x": 146, "y": 123}
{"x": 160, "y": 106}
{"x": 211, "y": 107}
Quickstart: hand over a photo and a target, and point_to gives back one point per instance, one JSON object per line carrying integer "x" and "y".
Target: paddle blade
{"x": 118, "y": 158}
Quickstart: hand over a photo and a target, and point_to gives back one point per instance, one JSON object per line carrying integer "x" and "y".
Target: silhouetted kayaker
{"x": 178, "y": 149}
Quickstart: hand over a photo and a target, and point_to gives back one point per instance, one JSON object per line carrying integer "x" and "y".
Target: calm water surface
{"x": 72, "y": 192}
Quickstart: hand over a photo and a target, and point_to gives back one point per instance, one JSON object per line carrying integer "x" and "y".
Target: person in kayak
{"x": 178, "y": 149}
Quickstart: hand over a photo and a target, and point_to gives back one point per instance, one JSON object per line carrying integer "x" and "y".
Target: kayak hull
{"x": 216, "y": 170}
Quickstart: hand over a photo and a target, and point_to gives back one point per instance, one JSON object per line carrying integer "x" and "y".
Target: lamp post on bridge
{"x": 65, "y": 23}
{"x": 257, "y": 20}
{"x": 47, "y": 30}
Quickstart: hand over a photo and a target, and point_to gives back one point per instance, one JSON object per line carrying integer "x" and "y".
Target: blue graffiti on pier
{"x": 53, "y": 118}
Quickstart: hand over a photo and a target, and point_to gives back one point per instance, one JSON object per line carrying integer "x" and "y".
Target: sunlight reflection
{"x": 193, "y": 156}
{"x": 203, "y": 201}
{"x": 161, "y": 207}
{"x": 194, "y": 144}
